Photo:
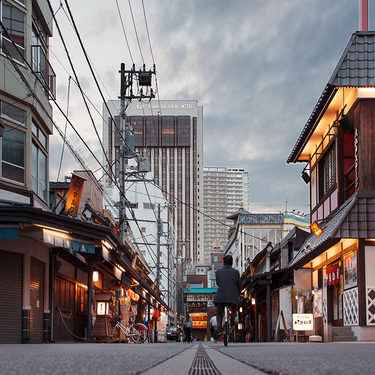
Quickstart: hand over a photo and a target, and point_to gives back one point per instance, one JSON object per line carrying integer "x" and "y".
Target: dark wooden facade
{"x": 338, "y": 146}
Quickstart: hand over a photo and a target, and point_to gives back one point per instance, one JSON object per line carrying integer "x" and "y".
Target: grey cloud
{"x": 257, "y": 67}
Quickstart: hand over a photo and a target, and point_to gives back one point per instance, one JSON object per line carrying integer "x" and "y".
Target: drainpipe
{"x": 89, "y": 300}
{"x": 53, "y": 276}
{"x": 268, "y": 294}
{"x": 268, "y": 310}
{"x": 256, "y": 322}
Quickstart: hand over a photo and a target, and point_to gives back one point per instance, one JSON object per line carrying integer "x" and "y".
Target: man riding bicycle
{"x": 229, "y": 290}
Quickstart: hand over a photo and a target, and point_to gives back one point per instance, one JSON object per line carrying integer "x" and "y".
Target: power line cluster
{"x": 107, "y": 168}
{"x": 109, "y": 164}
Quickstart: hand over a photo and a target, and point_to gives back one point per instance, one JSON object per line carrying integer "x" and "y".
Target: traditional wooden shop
{"x": 50, "y": 267}
{"x": 337, "y": 145}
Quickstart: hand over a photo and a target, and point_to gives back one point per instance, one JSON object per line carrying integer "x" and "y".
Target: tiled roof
{"x": 239, "y": 212}
{"x": 356, "y": 68}
{"x": 360, "y": 221}
{"x": 261, "y": 219}
{"x": 314, "y": 245}
{"x": 246, "y": 217}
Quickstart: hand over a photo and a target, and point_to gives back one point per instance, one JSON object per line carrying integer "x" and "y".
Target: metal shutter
{"x": 36, "y": 300}
{"x": 10, "y": 297}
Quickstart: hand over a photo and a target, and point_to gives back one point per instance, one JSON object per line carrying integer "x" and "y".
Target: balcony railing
{"x": 43, "y": 68}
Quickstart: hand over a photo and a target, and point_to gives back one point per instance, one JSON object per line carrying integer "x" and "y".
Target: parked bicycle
{"x": 138, "y": 332}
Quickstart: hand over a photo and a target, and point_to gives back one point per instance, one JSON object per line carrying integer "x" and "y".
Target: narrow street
{"x": 197, "y": 358}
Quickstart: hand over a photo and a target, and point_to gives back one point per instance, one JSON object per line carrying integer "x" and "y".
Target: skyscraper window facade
{"x": 226, "y": 190}
{"x": 171, "y": 133}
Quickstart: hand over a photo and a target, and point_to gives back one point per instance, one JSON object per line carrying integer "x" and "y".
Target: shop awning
{"x": 9, "y": 233}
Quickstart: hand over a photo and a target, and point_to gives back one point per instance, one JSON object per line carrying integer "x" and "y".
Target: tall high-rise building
{"x": 171, "y": 133}
{"x": 225, "y": 191}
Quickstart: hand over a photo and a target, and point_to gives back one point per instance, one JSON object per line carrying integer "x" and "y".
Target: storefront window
{"x": 350, "y": 270}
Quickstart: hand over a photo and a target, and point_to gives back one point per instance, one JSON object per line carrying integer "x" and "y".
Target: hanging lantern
{"x": 133, "y": 296}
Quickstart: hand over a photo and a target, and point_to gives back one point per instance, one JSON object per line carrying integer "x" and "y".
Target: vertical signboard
{"x": 74, "y": 195}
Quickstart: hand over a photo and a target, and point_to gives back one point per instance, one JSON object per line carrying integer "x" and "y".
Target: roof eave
{"x": 319, "y": 109}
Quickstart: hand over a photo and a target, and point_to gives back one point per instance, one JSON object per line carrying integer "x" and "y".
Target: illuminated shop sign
{"x": 197, "y": 305}
{"x": 61, "y": 240}
{"x": 74, "y": 195}
{"x": 303, "y": 322}
{"x": 199, "y": 297}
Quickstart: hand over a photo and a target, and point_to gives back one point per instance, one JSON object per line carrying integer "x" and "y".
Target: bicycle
{"x": 225, "y": 326}
{"x": 138, "y": 332}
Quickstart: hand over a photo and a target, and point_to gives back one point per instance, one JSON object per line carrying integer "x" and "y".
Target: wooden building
{"x": 266, "y": 285}
{"x": 337, "y": 144}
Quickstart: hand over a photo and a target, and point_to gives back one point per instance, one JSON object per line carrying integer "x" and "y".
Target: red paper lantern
{"x": 133, "y": 296}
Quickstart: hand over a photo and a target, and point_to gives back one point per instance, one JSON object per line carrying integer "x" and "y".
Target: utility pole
{"x": 159, "y": 232}
{"x": 128, "y": 77}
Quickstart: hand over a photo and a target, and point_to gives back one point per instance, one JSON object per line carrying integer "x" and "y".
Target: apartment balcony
{"x": 43, "y": 69}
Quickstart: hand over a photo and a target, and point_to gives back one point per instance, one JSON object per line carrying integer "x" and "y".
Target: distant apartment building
{"x": 171, "y": 133}
{"x": 225, "y": 191}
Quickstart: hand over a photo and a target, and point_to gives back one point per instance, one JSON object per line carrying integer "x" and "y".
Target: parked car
{"x": 173, "y": 334}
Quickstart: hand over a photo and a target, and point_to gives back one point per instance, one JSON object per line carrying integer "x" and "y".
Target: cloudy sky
{"x": 257, "y": 67}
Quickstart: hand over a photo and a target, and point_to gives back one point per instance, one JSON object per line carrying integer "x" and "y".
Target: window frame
{"x": 21, "y": 166}
{"x": 9, "y": 118}
{"x": 328, "y": 172}
{"x": 10, "y": 30}
{"x": 40, "y": 143}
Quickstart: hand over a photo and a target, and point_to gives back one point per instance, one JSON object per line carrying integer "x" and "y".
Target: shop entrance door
{"x": 337, "y": 304}
{"x": 334, "y": 295}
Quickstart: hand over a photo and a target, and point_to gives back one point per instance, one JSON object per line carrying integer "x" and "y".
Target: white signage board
{"x": 303, "y": 322}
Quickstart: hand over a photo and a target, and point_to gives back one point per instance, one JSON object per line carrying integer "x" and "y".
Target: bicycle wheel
{"x": 226, "y": 333}
{"x": 115, "y": 334}
{"x": 139, "y": 333}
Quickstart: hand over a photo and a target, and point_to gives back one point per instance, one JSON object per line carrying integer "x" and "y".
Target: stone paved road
{"x": 90, "y": 359}
{"x": 306, "y": 358}
{"x": 176, "y": 358}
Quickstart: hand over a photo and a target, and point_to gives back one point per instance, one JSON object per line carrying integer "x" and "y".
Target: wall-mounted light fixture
{"x": 107, "y": 244}
{"x": 316, "y": 229}
{"x": 345, "y": 124}
{"x": 305, "y": 177}
{"x": 95, "y": 276}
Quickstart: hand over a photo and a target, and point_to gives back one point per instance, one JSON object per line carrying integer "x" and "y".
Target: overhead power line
{"x": 136, "y": 33}
{"x": 66, "y": 125}
{"x": 123, "y": 29}
{"x": 75, "y": 74}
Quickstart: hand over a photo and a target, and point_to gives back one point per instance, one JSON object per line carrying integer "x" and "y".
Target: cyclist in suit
{"x": 229, "y": 290}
